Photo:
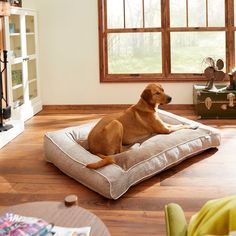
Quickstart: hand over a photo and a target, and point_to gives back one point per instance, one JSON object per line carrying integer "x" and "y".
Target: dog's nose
{"x": 169, "y": 99}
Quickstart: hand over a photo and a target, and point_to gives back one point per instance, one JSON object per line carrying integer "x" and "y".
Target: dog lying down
{"x": 126, "y": 128}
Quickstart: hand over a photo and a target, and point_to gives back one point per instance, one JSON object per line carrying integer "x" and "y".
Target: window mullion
{"x": 102, "y": 50}
{"x": 187, "y": 13}
{"x": 105, "y": 36}
{"x": 197, "y": 29}
{"x": 165, "y": 22}
{"x": 124, "y": 11}
{"x": 143, "y": 11}
{"x": 207, "y": 13}
{"x": 230, "y": 35}
{"x": 134, "y": 30}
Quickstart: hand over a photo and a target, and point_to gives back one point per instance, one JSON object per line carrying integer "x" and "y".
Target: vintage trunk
{"x": 209, "y": 104}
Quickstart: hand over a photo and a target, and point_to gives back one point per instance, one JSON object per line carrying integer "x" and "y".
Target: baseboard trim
{"x": 111, "y": 107}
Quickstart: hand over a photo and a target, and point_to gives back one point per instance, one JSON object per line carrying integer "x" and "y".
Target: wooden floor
{"x": 25, "y": 176}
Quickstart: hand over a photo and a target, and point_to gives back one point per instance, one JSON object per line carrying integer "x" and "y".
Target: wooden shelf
{"x": 17, "y": 86}
{"x": 30, "y": 33}
{"x": 14, "y": 34}
{"x": 17, "y": 103}
{"x": 32, "y": 81}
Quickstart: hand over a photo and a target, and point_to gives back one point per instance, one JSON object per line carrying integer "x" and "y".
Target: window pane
{"x": 216, "y": 13}
{"x": 152, "y": 12}
{"x": 33, "y": 91}
{"x": 178, "y": 13}
{"x": 134, "y": 53}
{"x": 189, "y": 49}
{"x": 17, "y": 85}
{"x": 196, "y": 13}
{"x": 15, "y": 37}
{"x": 115, "y": 14}
{"x": 133, "y": 13}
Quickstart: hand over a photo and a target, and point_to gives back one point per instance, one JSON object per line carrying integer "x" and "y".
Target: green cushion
{"x": 176, "y": 224}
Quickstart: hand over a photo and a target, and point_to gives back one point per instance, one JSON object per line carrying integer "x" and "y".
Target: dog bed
{"x": 67, "y": 150}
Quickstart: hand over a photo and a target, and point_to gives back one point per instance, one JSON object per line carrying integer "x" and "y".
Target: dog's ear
{"x": 146, "y": 95}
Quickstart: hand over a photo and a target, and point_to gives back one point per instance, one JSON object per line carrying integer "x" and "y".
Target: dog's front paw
{"x": 192, "y": 126}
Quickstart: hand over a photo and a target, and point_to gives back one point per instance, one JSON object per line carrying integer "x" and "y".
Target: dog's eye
{"x": 157, "y": 93}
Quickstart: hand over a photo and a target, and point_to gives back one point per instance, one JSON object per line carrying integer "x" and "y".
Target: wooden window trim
{"x": 165, "y": 29}
{"x": 230, "y": 36}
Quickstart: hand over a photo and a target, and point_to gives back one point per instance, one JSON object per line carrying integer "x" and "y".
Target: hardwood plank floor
{"x": 25, "y": 176}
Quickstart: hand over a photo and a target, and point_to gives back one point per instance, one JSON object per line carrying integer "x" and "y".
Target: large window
{"x": 164, "y": 40}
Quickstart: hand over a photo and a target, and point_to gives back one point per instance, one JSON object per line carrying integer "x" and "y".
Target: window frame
{"x": 165, "y": 29}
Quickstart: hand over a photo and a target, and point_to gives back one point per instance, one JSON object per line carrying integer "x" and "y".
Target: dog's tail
{"x": 106, "y": 160}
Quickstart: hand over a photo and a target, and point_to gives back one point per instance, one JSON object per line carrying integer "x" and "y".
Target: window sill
{"x": 152, "y": 78}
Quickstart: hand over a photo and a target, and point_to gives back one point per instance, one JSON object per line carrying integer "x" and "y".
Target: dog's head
{"x": 154, "y": 94}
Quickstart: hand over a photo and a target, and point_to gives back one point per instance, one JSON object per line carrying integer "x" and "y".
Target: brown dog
{"x": 128, "y": 127}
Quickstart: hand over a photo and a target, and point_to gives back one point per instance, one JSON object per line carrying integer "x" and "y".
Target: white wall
{"x": 29, "y": 4}
{"x": 69, "y": 58}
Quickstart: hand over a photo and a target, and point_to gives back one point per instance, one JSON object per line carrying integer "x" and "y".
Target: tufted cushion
{"x": 67, "y": 149}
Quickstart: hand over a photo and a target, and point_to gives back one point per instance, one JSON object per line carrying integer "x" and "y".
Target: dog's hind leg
{"x": 112, "y": 135}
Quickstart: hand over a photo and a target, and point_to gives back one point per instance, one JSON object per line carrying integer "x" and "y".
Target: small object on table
{"x": 71, "y": 200}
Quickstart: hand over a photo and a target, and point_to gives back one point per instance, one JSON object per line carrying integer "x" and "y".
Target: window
{"x": 197, "y": 31}
{"x": 164, "y": 40}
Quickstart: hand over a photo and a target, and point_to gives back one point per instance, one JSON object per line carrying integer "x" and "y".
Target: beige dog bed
{"x": 66, "y": 149}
